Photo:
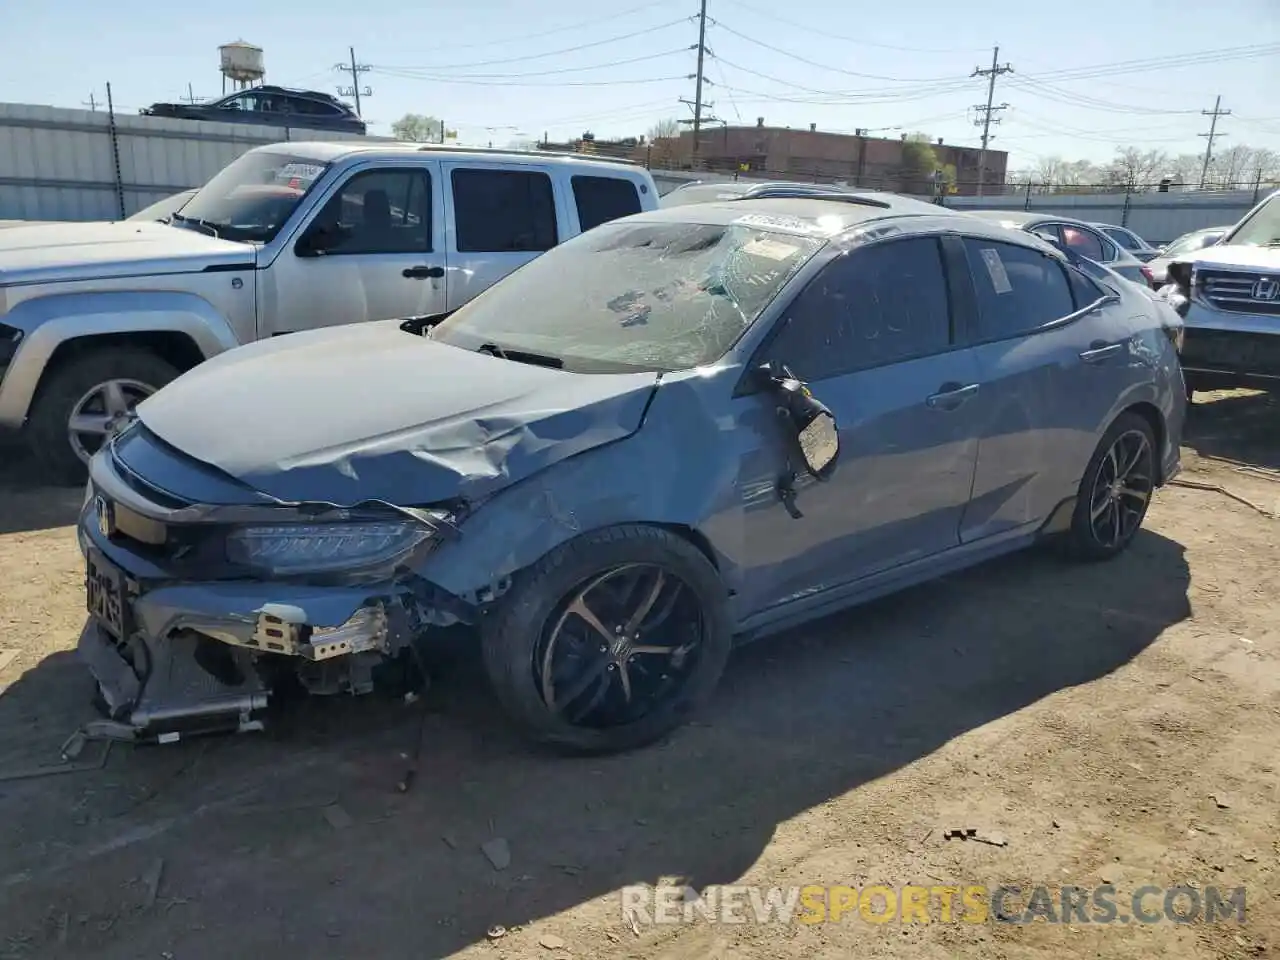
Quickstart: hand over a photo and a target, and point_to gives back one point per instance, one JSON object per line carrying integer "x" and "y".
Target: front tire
{"x": 610, "y": 641}
{"x": 1115, "y": 491}
{"x": 80, "y": 402}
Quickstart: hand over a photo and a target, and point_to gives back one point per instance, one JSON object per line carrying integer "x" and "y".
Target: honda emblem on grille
{"x": 106, "y": 517}
{"x": 1265, "y": 289}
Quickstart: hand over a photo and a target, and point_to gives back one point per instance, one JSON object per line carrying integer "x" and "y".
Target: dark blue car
{"x": 681, "y": 429}
{"x": 270, "y": 107}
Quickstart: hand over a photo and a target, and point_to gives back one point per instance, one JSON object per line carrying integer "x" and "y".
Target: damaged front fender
{"x": 658, "y": 475}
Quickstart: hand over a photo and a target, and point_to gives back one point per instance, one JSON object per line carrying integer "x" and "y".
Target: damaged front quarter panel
{"x": 658, "y": 475}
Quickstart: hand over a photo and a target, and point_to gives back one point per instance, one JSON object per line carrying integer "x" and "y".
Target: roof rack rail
{"x": 803, "y": 193}
{"x": 507, "y": 152}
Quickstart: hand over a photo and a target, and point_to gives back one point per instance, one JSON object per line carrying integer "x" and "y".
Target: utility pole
{"x": 697, "y": 92}
{"x": 1212, "y": 135}
{"x": 91, "y": 103}
{"x": 355, "y": 70}
{"x": 985, "y": 120}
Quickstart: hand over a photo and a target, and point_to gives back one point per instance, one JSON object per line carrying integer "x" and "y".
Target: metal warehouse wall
{"x": 58, "y": 164}
{"x": 1156, "y": 217}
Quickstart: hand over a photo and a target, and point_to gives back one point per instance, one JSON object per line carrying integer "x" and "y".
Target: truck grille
{"x": 1239, "y": 292}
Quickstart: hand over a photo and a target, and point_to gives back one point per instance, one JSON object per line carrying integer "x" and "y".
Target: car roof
{"x": 1023, "y": 218}
{"x": 330, "y": 151}
{"x": 829, "y": 218}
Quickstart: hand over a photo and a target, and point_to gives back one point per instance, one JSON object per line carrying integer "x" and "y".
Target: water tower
{"x": 241, "y": 64}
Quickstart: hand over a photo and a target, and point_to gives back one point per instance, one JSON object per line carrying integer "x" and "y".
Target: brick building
{"x": 787, "y": 153}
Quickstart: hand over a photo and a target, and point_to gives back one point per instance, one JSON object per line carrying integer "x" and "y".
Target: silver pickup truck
{"x": 294, "y": 236}
{"x": 1229, "y": 298}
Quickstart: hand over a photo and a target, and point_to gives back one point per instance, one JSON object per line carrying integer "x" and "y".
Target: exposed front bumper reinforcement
{"x": 159, "y": 691}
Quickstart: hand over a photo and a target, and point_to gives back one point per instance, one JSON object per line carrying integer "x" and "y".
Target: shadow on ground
{"x": 252, "y": 864}
{"x": 1241, "y": 426}
{"x": 25, "y": 504}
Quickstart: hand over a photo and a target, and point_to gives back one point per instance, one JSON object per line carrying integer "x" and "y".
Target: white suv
{"x": 288, "y": 237}
{"x": 1229, "y": 297}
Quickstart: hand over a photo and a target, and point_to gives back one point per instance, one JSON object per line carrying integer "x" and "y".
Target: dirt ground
{"x": 1116, "y": 724}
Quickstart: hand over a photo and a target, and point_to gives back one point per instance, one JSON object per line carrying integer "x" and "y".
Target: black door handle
{"x": 424, "y": 273}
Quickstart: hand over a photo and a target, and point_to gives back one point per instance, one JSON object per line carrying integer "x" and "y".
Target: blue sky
{"x": 492, "y": 68}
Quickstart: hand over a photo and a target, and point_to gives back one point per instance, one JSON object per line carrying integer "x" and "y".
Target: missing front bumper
{"x": 159, "y": 691}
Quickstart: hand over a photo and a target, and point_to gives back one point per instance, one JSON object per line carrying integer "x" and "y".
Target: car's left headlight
{"x": 298, "y": 548}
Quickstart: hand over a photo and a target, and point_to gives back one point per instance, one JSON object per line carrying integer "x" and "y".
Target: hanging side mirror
{"x": 807, "y": 419}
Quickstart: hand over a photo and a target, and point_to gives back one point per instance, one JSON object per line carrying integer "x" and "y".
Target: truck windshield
{"x": 1260, "y": 230}
{"x": 251, "y": 198}
{"x": 634, "y": 296}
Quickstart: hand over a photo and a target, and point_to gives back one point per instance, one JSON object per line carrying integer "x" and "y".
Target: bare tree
{"x": 1136, "y": 168}
{"x": 665, "y": 129}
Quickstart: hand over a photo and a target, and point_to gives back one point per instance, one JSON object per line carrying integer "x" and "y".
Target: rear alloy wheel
{"x": 1116, "y": 490}
{"x": 610, "y": 641}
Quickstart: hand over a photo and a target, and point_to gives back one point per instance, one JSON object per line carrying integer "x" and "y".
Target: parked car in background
{"x": 1086, "y": 240}
{"x": 1129, "y": 241}
{"x": 693, "y": 425}
{"x": 286, "y": 238}
{"x": 1157, "y": 270}
{"x": 269, "y": 106}
{"x": 164, "y": 209}
{"x": 1229, "y": 297}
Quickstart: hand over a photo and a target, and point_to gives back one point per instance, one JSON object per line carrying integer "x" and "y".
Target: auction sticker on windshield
{"x": 298, "y": 174}
{"x": 806, "y": 228}
{"x": 771, "y": 249}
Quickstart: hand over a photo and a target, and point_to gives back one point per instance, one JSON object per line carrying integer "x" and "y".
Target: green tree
{"x": 417, "y": 127}
{"x": 919, "y": 164}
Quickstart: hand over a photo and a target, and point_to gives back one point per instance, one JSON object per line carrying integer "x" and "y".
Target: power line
{"x": 537, "y": 56}
{"x": 355, "y": 70}
{"x": 1037, "y": 87}
{"x": 411, "y": 75}
{"x": 720, "y": 25}
{"x": 1213, "y": 134}
{"x": 1219, "y": 55}
{"x": 525, "y": 38}
{"x": 861, "y": 41}
{"x": 442, "y": 79}
{"x": 988, "y": 111}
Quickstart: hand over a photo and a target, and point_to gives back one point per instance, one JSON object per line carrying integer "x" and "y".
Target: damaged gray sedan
{"x": 681, "y": 429}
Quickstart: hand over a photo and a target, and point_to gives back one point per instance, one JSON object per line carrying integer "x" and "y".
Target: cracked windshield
{"x": 648, "y": 296}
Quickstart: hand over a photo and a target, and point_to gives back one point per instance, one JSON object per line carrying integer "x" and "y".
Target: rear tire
{"x": 1115, "y": 491}
{"x": 518, "y": 635}
{"x": 48, "y": 430}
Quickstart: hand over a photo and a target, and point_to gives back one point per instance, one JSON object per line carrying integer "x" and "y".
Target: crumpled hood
{"x": 1243, "y": 256}
{"x": 51, "y": 252}
{"x": 369, "y": 412}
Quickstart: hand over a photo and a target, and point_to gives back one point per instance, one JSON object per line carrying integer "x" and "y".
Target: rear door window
{"x": 601, "y": 199}
{"x": 1019, "y": 289}
{"x": 503, "y": 211}
{"x": 1084, "y": 242}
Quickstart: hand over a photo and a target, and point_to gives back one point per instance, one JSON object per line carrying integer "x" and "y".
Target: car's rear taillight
{"x": 1150, "y": 278}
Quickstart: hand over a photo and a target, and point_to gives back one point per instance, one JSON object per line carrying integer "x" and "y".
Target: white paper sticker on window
{"x": 772, "y": 249}
{"x": 995, "y": 270}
